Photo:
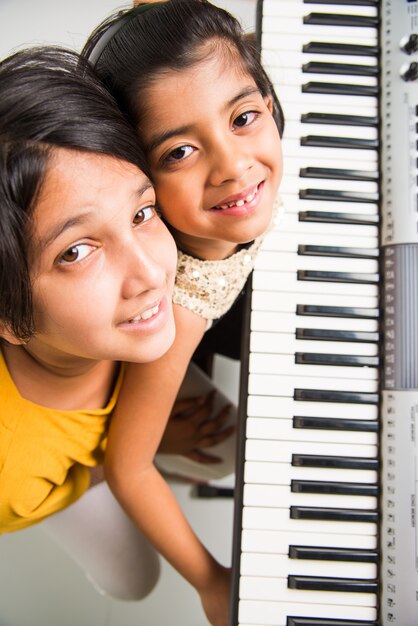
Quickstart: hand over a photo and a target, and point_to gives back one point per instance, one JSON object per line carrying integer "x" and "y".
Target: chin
{"x": 157, "y": 350}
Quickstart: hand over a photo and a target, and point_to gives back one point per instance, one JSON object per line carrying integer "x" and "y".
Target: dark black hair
{"x": 167, "y": 36}
{"x": 49, "y": 99}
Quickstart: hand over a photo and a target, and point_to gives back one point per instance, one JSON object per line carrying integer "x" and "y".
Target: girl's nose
{"x": 230, "y": 160}
{"x": 142, "y": 269}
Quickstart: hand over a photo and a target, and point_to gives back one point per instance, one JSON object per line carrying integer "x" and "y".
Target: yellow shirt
{"x": 45, "y": 454}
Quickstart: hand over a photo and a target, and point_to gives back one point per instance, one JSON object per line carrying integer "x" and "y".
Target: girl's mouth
{"x": 242, "y": 203}
{"x": 145, "y": 315}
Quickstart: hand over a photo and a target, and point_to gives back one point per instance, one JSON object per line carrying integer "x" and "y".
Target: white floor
{"x": 41, "y": 586}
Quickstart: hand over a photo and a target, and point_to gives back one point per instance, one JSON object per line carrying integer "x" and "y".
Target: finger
{"x": 217, "y": 423}
{"x": 187, "y": 406}
{"x": 200, "y": 411}
{"x": 212, "y": 440}
{"x": 202, "y": 457}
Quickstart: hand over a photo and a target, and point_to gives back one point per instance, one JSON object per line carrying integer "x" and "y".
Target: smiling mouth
{"x": 145, "y": 315}
{"x": 238, "y": 203}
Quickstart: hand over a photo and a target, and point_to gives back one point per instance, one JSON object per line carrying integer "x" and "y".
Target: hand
{"x": 190, "y": 429}
{"x": 215, "y": 599}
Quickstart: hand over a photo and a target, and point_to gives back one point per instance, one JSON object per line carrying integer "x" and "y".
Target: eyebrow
{"x": 52, "y": 234}
{"x": 160, "y": 138}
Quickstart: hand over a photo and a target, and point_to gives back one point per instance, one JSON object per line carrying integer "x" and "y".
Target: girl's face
{"x": 215, "y": 155}
{"x": 103, "y": 264}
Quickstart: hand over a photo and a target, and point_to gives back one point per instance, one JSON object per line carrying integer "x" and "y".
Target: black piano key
{"x": 338, "y": 174}
{"x": 323, "y": 583}
{"x": 321, "y": 141}
{"x": 335, "y": 423}
{"x": 328, "y": 217}
{"x": 294, "y": 620}
{"x": 330, "y": 395}
{"x": 337, "y": 311}
{"x": 335, "y": 195}
{"x": 320, "y": 47}
{"x": 339, "y": 120}
{"x": 339, "y": 360}
{"x": 336, "y": 19}
{"x": 319, "y": 334}
{"x": 338, "y": 277}
{"x": 340, "y": 89}
{"x": 333, "y": 514}
{"x": 335, "y": 462}
{"x": 322, "y": 553}
{"x": 334, "y": 488}
{"x": 336, "y": 251}
{"x": 345, "y": 69}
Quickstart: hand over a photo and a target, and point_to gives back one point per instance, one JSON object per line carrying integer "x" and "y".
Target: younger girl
{"x": 86, "y": 280}
{"x": 207, "y": 117}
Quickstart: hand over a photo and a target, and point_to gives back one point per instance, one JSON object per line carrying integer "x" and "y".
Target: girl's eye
{"x": 75, "y": 253}
{"x": 245, "y": 118}
{"x": 179, "y": 153}
{"x": 143, "y": 215}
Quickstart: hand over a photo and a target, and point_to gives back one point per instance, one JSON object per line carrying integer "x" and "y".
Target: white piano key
{"x": 264, "y": 613}
{"x": 297, "y": 39}
{"x": 282, "y": 473}
{"x": 291, "y": 183}
{"x": 283, "y": 430}
{"x": 330, "y": 104}
{"x": 286, "y": 343}
{"x": 293, "y": 204}
{"x": 278, "y": 541}
{"x": 297, "y": 59}
{"x": 293, "y": 25}
{"x": 277, "y": 240}
{"x": 288, "y": 282}
{"x": 298, "y": 8}
{"x": 293, "y": 164}
{"x": 282, "y": 451}
{"x": 269, "y": 406}
{"x": 291, "y": 147}
{"x": 270, "y": 301}
{"x": 268, "y": 518}
{"x": 280, "y": 496}
{"x": 280, "y": 565}
{"x": 295, "y": 76}
{"x": 277, "y": 261}
{"x": 275, "y": 589}
{"x": 290, "y": 223}
{"x": 297, "y": 129}
{"x": 263, "y": 384}
{"x": 287, "y": 322}
{"x": 276, "y": 364}
{"x": 291, "y": 94}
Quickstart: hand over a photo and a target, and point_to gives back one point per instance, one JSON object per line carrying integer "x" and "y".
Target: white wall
{"x": 68, "y": 22}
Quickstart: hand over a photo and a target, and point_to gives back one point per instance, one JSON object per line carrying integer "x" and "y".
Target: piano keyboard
{"x": 306, "y": 524}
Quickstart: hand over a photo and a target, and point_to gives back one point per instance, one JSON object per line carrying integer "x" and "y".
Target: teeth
{"x": 241, "y": 202}
{"x": 145, "y": 315}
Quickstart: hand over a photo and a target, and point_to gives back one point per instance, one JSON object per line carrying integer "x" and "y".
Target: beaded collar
{"x": 209, "y": 288}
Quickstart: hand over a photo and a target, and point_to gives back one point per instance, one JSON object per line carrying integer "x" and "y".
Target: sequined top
{"x": 209, "y": 288}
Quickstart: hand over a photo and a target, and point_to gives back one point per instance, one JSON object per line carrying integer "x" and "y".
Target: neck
{"x": 205, "y": 249}
{"x": 71, "y": 385}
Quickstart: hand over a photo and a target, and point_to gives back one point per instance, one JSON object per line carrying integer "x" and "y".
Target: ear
{"x": 7, "y": 335}
{"x": 269, "y": 103}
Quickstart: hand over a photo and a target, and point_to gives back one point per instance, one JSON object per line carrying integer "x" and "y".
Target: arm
{"x": 134, "y": 437}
